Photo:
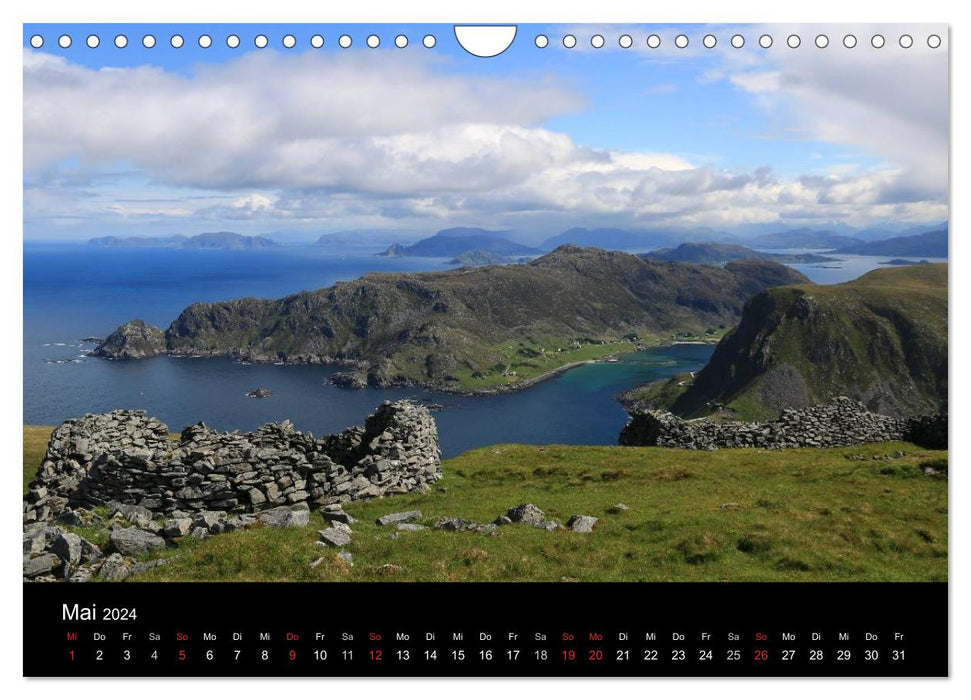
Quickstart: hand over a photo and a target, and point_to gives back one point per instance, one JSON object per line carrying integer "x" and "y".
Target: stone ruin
{"x": 840, "y": 423}
{"x": 125, "y": 457}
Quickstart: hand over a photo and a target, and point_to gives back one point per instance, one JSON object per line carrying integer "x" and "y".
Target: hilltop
{"x": 880, "y": 339}
{"x": 476, "y": 329}
{"x": 221, "y": 240}
{"x": 712, "y": 253}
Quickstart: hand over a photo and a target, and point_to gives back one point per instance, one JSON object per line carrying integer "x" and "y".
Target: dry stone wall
{"x": 841, "y": 422}
{"x": 127, "y": 457}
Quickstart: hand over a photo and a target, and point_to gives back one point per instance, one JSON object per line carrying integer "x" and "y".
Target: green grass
{"x": 801, "y": 515}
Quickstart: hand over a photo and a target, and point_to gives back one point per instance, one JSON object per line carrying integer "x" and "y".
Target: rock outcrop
{"x": 133, "y": 341}
{"x": 128, "y": 458}
{"x": 839, "y": 423}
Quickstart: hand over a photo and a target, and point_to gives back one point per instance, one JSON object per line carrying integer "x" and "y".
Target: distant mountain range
{"x": 615, "y": 238}
{"x": 932, "y": 244}
{"x": 220, "y": 240}
{"x": 803, "y": 238}
{"x": 711, "y": 253}
{"x": 450, "y": 243}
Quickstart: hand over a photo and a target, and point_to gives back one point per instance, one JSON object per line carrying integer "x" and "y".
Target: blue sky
{"x": 533, "y": 139}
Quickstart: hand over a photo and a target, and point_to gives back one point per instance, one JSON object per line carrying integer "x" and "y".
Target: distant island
{"x": 220, "y": 240}
{"x": 903, "y": 261}
{"x": 478, "y": 330}
{"x": 452, "y": 242}
{"x": 711, "y": 253}
{"x": 932, "y": 244}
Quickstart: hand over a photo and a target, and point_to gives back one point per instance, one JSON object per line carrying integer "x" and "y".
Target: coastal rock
{"x": 348, "y": 380}
{"x": 133, "y": 341}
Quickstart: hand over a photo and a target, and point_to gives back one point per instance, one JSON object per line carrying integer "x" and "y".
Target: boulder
{"x": 285, "y": 517}
{"x": 582, "y": 523}
{"x": 132, "y": 541}
{"x": 402, "y": 517}
{"x": 333, "y": 537}
{"x": 526, "y": 513}
{"x": 114, "y": 568}
{"x": 41, "y": 565}
{"x": 68, "y": 547}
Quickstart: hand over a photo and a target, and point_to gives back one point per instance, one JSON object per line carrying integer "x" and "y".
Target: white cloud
{"x": 353, "y": 138}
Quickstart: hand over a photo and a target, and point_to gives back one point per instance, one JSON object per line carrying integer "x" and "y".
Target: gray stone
{"x": 140, "y": 567}
{"x": 68, "y": 547}
{"x": 40, "y": 565}
{"x": 526, "y": 513}
{"x": 285, "y": 517}
{"x": 618, "y": 508}
{"x": 337, "y": 515}
{"x": 199, "y": 533}
{"x": 177, "y": 527}
{"x": 411, "y": 527}
{"x": 334, "y": 537}
{"x": 402, "y": 517}
{"x": 114, "y": 568}
{"x": 346, "y": 557}
{"x": 132, "y": 541}
{"x": 582, "y": 523}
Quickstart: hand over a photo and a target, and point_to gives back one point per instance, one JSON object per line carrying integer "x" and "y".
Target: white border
{"x": 486, "y": 11}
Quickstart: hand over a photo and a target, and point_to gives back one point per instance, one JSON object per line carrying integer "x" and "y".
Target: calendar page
{"x": 467, "y": 350}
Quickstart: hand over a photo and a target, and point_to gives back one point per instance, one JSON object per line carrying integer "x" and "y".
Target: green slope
{"x": 881, "y": 339}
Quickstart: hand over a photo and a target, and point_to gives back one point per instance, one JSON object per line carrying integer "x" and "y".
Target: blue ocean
{"x": 75, "y": 291}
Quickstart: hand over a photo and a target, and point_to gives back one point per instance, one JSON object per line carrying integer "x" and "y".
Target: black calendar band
{"x": 495, "y": 629}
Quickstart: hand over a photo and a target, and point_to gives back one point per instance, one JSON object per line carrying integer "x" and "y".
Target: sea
{"x": 76, "y": 291}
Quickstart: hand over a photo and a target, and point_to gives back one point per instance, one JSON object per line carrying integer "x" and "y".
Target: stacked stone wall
{"x": 126, "y": 457}
{"x": 839, "y": 423}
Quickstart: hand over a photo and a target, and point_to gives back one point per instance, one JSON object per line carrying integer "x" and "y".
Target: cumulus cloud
{"x": 357, "y": 139}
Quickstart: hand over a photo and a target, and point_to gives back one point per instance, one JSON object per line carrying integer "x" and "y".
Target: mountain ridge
{"x": 477, "y": 329}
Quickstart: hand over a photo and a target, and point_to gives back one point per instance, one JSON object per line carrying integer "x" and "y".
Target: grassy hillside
{"x": 848, "y": 514}
{"x": 880, "y": 339}
{"x": 489, "y": 328}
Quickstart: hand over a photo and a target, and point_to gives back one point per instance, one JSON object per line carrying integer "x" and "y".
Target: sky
{"x": 304, "y": 140}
